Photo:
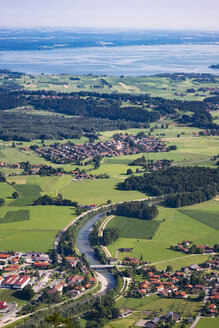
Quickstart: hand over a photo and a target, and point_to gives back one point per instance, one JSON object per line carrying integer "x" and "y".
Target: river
{"x": 83, "y": 245}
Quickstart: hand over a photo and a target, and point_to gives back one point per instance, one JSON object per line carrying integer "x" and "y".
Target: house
{"x": 4, "y": 256}
{"x": 75, "y": 279}
{"x": 181, "y": 295}
{"x": 56, "y": 288}
{"x": 113, "y": 260}
{"x": 194, "y": 267}
{"x": 9, "y": 281}
{"x": 3, "y": 306}
{"x": 41, "y": 265}
{"x": 171, "y": 316}
{"x": 92, "y": 280}
{"x": 21, "y": 282}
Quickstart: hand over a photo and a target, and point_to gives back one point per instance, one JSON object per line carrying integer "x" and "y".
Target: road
{"x": 200, "y": 314}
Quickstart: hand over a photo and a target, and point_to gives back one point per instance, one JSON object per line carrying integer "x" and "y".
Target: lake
{"x": 127, "y": 60}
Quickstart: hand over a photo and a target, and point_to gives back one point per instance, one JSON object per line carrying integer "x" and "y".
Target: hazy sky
{"x": 148, "y": 14}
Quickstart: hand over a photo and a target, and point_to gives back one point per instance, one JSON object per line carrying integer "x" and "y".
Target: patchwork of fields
{"x": 176, "y": 227}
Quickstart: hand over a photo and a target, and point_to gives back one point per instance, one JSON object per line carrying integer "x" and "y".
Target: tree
{"x": 2, "y": 202}
{"x": 129, "y": 171}
{"x": 15, "y": 195}
{"x": 27, "y": 292}
{"x": 169, "y": 268}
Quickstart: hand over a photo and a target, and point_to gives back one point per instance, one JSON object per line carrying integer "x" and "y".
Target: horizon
{"x": 197, "y": 15}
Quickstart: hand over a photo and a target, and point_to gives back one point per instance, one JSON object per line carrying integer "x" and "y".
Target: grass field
{"x": 15, "y": 216}
{"x": 156, "y": 86}
{"x": 155, "y": 304}
{"x": 176, "y": 227}
{"x": 28, "y": 193}
{"x": 209, "y": 218}
{"x": 134, "y": 228}
{"x": 9, "y": 296}
{"x": 36, "y": 234}
{"x": 6, "y": 190}
{"x": 208, "y": 323}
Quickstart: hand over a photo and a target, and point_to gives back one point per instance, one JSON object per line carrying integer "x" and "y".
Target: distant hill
{"x": 214, "y": 66}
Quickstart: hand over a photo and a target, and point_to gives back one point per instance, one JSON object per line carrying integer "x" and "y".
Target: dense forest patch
{"x": 183, "y": 185}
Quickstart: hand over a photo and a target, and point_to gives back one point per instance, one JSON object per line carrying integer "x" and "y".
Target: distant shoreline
{"x": 214, "y": 66}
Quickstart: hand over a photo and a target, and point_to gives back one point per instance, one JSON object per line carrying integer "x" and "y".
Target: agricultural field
{"x": 6, "y": 190}
{"x": 155, "y": 304}
{"x": 27, "y": 194}
{"x": 37, "y": 233}
{"x": 14, "y": 216}
{"x": 174, "y": 227}
{"x": 133, "y": 227}
{"x": 156, "y": 86}
{"x": 207, "y": 213}
{"x": 208, "y": 322}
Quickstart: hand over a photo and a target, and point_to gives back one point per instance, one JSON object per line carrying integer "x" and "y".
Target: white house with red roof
{"x": 21, "y": 282}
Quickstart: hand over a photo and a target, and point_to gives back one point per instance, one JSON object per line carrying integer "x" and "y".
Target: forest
{"x": 27, "y": 127}
{"x": 135, "y": 209}
{"x": 184, "y": 185}
{"x": 102, "y": 111}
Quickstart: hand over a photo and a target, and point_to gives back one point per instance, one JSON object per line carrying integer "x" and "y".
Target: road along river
{"x": 105, "y": 276}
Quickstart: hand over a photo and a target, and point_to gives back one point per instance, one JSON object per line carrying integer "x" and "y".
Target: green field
{"x": 133, "y": 227}
{"x": 6, "y": 190}
{"x": 209, "y": 218}
{"x": 9, "y": 296}
{"x": 28, "y": 193}
{"x": 156, "y": 86}
{"x": 14, "y": 216}
{"x": 208, "y": 323}
{"x": 176, "y": 227}
{"x": 155, "y": 304}
{"x": 36, "y": 234}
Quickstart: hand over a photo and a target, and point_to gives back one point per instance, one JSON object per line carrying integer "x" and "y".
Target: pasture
{"x": 207, "y": 213}
{"x": 133, "y": 227}
{"x": 156, "y": 86}
{"x": 176, "y": 227}
{"x": 6, "y": 190}
{"x": 38, "y": 233}
{"x": 14, "y": 216}
{"x": 28, "y": 193}
{"x": 208, "y": 322}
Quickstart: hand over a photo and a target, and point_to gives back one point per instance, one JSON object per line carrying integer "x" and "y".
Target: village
{"x": 123, "y": 144}
{"x": 37, "y": 271}
{"x": 70, "y": 278}
{"x": 188, "y": 247}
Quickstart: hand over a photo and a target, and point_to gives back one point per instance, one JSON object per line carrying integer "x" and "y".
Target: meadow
{"x": 27, "y": 194}
{"x": 156, "y": 86}
{"x": 208, "y": 322}
{"x": 133, "y": 227}
{"x": 38, "y": 233}
{"x": 155, "y": 304}
{"x": 209, "y": 218}
{"x": 14, "y": 216}
{"x": 176, "y": 227}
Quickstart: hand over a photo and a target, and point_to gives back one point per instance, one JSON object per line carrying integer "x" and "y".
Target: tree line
{"x": 184, "y": 185}
{"x": 135, "y": 209}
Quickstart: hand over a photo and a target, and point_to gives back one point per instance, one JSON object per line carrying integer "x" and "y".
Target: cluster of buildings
{"x": 124, "y": 145}
{"x": 14, "y": 281}
{"x": 189, "y": 248}
{"x": 181, "y": 284}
